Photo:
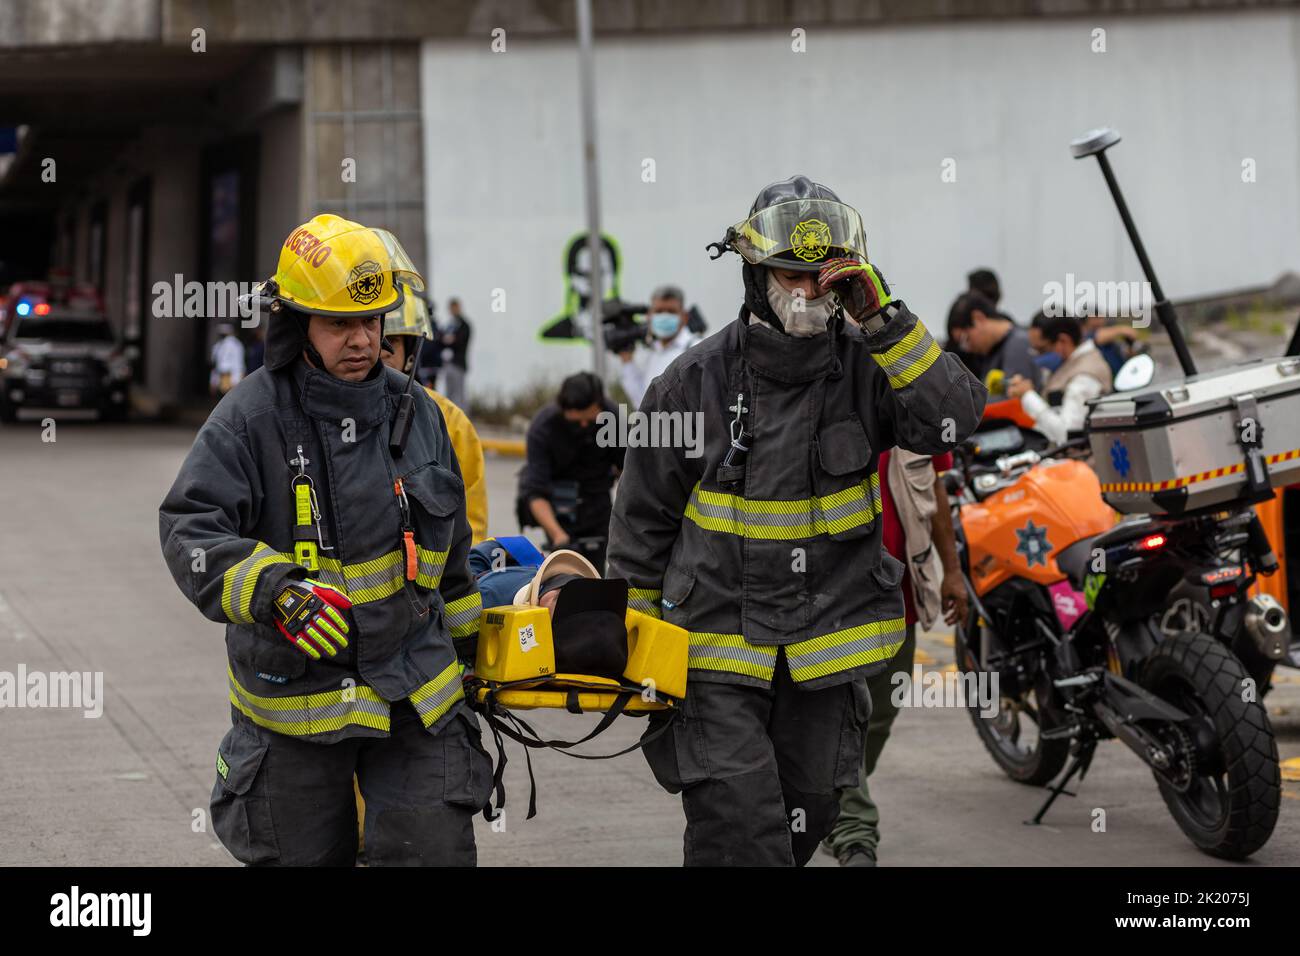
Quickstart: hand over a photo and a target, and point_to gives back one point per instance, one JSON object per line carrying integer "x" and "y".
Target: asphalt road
{"x": 83, "y": 587}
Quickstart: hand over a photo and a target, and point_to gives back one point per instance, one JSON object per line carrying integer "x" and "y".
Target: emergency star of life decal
{"x": 365, "y": 282}
{"x": 810, "y": 239}
{"x": 1033, "y": 544}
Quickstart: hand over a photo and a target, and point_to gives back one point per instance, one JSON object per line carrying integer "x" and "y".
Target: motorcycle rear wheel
{"x": 1229, "y": 808}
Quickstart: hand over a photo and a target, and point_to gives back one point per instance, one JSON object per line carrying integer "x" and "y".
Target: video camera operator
{"x": 668, "y": 336}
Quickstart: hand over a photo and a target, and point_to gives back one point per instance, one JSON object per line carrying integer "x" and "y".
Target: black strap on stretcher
{"x": 503, "y": 722}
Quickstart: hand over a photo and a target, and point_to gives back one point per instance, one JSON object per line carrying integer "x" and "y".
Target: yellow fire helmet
{"x": 412, "y": 318}
{"x": 333, "y": 266}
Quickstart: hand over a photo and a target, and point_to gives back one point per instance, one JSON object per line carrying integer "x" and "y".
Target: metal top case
{"x": 1210, "y": 440}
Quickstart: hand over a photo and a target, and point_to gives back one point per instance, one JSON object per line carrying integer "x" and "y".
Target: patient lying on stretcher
{"x": 587, "y": 612}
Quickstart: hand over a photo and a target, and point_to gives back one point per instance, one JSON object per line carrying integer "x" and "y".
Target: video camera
{"x": 624, "y": 331}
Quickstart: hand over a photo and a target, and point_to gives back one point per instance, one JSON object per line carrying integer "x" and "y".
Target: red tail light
{"x": 1151, "y": 542}
{"x": 1223, "y": 590}
{"x": 1219, "y": 575}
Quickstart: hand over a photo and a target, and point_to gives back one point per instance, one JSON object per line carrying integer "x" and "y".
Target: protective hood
{"x": 286, "y": 337}
{"x": 755, "y": 279}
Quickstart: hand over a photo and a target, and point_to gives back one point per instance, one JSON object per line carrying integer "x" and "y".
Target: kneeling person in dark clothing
{"x": 564, "y": 487}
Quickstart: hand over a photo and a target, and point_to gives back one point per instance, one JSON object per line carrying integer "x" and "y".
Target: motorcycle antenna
{"x": 1095, "y": 143}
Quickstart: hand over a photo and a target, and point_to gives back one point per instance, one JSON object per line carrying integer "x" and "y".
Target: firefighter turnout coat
{"x": 782, "y": 548}
{"x": 228, "y": 536}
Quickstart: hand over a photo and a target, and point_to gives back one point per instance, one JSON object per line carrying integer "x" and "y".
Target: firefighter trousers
{"x": 288, "y": 802}
{"x": 760, "y": 769}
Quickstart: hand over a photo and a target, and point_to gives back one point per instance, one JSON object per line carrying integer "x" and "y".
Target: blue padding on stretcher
{"x": 521, "y": 549}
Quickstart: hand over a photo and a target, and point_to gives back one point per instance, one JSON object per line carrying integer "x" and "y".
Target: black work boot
{"x": 856, "y": 854}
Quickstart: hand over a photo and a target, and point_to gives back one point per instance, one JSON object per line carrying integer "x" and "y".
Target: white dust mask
{"x": 800, "y": 316}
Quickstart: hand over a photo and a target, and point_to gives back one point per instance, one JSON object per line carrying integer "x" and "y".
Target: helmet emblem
{"x": 810, "y": 239}
{"x": 365, "y": 282}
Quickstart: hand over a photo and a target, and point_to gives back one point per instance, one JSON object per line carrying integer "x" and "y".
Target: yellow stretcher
{"x": 515, "y": 665}
{"x": 576, "y": 693}
{"x": 515, "y": 670}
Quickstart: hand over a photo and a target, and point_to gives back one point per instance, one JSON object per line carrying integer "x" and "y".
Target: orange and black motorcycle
{"x": 1070, "y": 609}
{"x": 1076, "y": 656}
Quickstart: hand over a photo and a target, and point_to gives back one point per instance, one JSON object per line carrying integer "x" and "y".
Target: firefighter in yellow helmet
{"x": 336, "y": 557}
{"x": 402, "y": 329}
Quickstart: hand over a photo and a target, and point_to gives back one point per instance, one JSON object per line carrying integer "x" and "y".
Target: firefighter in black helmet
{"x": 766, "y": 548}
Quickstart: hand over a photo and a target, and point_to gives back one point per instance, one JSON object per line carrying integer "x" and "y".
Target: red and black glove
{"x": 309, "y": 615}
{"x": 861, "y": 288}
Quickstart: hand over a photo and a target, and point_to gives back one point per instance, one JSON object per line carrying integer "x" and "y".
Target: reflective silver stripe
{"x": 845, "y": 649}
{"x": 462, "y": 615}
{"x": 436, "y": 697}
{"x": 645, "y": 600}
{"x": 848, "y": 509}
{"x": 330, "y": 572}
{"x": 751, "y": 515}
{"x": 432, "y": 563}
{"x": 909, "y": 358}
{"x": 333, "y": 578}
{"x": 307, "y": 715}
{"x": 359, "y": 580}
{"x": 730, "y": 653}
{"x": 239, "y": 582}
{"x": 835, "y": 513}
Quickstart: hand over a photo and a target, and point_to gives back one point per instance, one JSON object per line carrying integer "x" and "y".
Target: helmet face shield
{"x": 331, "y": 266}
{"x": 800, "y": 234}
{"x": 411, "y": 319}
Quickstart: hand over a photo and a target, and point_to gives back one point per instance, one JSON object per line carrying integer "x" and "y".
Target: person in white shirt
{"x": 668, "y": 338}
{"x": 227, "y": 360}
{"x": 1082, "y": 375}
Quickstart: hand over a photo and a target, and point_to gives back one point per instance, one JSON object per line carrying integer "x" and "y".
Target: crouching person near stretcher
{"x": 767, "y": 547}
{"x": 337, "y": 559}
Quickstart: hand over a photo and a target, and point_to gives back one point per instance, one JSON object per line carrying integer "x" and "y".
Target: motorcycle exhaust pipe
{"x": 1266, "y": 623}
{"x": 1095, "y": 143}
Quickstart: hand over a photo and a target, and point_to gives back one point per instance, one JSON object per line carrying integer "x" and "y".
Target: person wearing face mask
{"x": 564, "y": 486}
{"x": 1081, "y": 376}
{"x": 766, "y": 547}
{"x": 668, "y": 337}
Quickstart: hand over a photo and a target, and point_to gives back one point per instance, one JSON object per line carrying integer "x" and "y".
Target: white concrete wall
{"x": 873, "y": 114}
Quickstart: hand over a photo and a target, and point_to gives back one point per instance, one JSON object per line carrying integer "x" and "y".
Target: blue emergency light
{"x": 24, "y": 308}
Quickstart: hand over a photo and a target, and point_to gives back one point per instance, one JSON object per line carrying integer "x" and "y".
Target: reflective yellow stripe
{"x": 645, "y": 600}
{"x": 306, "y": 715}
{"x": 240, "y": 581}
{"x": 908, "y": 359}
{"x": 432, "y": 564}
{"x": 462, "y": 615}
{"x": 730, "y": 653}
{"x": 375, "y": 579}
{"x": 852, "y": 507}
{"x": 816, "y": 657}
{"x": 432, "y": 700}
{"x": 845, "y": 649}
{"x": 381, "y": 577}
